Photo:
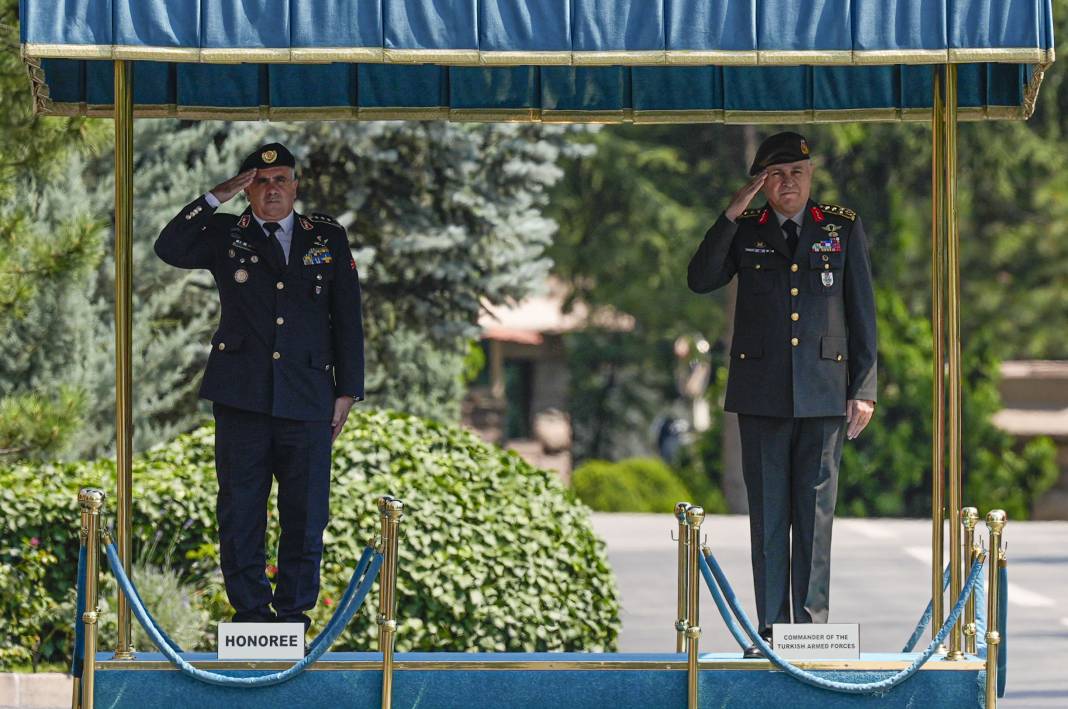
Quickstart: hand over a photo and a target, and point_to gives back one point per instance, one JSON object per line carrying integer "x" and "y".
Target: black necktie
{"x": 272, "y": 232}
{"x": 790, "y": 227}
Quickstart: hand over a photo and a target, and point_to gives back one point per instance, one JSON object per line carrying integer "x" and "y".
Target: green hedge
{"x": 495, "y": 554}
{"x": 632, "y": 485}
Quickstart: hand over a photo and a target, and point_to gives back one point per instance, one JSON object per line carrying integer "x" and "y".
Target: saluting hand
{"x": 858, "y": 414}
{"x": 342, "y": 405}
{"x": 225, "y": 191}
{"x": 741, "y": 199}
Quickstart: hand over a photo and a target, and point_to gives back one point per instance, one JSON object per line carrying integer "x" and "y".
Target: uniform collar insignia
{"x": 817, "y": 214}
{"x": 306, "y": 223}
{"x": 764, "y": 216}
{"x": 244, "y": 220}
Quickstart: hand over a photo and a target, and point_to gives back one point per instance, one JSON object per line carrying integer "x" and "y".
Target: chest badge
{"x": 240, "y": 275}
{"x": 828, "y": 279}
{"x": 317, "y": 255}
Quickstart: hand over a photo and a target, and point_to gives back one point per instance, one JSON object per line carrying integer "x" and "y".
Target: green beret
{"x": 778, "y": 149}
{"x": 270, "y": 155}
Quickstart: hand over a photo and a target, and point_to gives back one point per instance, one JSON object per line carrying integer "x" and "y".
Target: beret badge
{"x": 269, "y": 156}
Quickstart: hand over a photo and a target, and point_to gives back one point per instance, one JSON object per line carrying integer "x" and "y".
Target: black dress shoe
{"x": 753, "y": 653}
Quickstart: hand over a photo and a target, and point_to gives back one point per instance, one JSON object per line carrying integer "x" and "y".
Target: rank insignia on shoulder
{"x": 306, "y": 224}
{"x": 325, "y": 219}
{"x": 844, "y": 212}
{"x": 243, "y": 221}
{"x": 750, "y": 213}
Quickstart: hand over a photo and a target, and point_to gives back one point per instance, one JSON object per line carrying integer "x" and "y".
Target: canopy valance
{"x": 601, "y": 60}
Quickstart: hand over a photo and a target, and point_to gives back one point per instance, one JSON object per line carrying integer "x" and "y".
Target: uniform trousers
{"x": 790, "y": 466}
{"x": 251, "y": 449}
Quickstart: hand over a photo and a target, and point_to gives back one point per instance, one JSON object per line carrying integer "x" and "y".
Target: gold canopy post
{"x": 123, "y": 335}
{"x": 953, "y": 352}
{"x": 938, "y": 379}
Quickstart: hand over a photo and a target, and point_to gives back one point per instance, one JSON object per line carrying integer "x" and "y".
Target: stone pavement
{"x": 880, "y": 578}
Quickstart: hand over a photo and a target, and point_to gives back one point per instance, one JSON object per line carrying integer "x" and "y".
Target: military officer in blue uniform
{"x": 802, "y": 367}
{"x": 285, "y": 368}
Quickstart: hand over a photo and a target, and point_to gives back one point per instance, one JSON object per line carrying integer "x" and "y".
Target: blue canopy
{"x": 531, "y": 60}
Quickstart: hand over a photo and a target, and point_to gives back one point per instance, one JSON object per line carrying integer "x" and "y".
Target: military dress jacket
{"x": 290, "y": 339}
{"x": 804, "y": 324}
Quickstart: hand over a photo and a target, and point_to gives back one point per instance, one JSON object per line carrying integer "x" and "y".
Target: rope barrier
{"x": 342, "y": 616}
{"x": 721, "y": 604}
{"x": 78, "y": 660}
{"x": 814, "y": 680}
{"x": 1003, "y": 628}
{"x": 925, "y": 619}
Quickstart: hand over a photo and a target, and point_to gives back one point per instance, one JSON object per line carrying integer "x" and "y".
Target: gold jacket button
{"x": 795, "y": 317}
{"x": 793, "y": 267}
{"x": 838, "y": 358}
{"x": 277, "y": 355}
{"x": 279, "y": 285}
{"x": 757, "y": 267}
{"x": 794, "y": 341}
{"x": 741, "y": 356}
{"x": 222, "y": 346}
{"x": 280, "y": 321}
{"x": 826, "y": 267}
{"x": 793, "y": 291}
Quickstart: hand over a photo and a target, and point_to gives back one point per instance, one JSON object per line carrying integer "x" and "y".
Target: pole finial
{"x": 996, "y": 520}
{"x": 91, "y": 499}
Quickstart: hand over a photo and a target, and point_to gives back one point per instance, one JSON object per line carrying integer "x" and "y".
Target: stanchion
{"x": 694, "y": 517}
{"x": 995, "y": 522}
{"x": 683, "y": 577}
{"x": 969, "y": 518}
{"x": 91, "y": 501}
{"x": 391, "y": 510}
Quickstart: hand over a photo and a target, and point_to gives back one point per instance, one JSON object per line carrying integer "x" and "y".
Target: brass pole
{"x": 938, "y": 379}
{"x": 91, "y": 501}
{"x": 953, "y": 351}
{"x": 123, "y": 336}
{"x": 970, "y": 517}
{"x": 995, "y": 522}
{"x": 392, "y": 510}
{"x": 694, "y": 517}
{"x": 683, "y": 577}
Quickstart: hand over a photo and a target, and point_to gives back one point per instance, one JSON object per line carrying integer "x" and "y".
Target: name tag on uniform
{"x": 755, "y": 250}
{"x": 261, "y": 641}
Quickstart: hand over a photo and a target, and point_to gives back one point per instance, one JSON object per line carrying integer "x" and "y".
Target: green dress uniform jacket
{"x": 804, "y": 327}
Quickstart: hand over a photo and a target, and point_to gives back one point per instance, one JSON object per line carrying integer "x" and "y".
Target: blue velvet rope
{"x": 925, "y": 619}
{"x": 1003, "y": 628}
{"x": 346, "y": 599}
{"x": 78, "y": 660}
{"x": 322, "y": 643}
{"x": 814, "y": 680}
{"x": 721, "y": 604}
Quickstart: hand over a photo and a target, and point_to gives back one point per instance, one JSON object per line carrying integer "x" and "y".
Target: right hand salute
{"x": 744, "y": 196}
{"x": 225, "y": 191}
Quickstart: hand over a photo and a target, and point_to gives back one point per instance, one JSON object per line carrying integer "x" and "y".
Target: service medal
{"x": 827, "y": 278}
{"x": 240, "y": 275}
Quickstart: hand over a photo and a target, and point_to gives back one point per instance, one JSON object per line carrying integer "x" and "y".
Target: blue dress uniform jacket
{"x": 804, "y": 328}
{"x": 290, "y": 339}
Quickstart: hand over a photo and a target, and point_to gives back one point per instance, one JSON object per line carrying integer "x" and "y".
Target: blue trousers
{"x": 251, "y": 450}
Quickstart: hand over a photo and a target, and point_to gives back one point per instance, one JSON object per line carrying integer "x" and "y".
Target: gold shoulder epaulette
{"x": 750, "y": 213}
{"x": 844, "y": 212}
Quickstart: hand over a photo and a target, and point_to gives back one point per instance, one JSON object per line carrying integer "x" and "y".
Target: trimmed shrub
{"x": 495, "y": 555}
{"x": 632, "y": 485}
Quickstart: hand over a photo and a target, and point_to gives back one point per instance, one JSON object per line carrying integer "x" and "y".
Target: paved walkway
{"x": 880, "y": 578}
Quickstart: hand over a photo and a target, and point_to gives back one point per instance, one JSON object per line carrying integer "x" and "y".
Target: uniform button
{"x": 741, "y": 356}
{"x": 319, "y": 276}
{"x": 793, "y": 267}
{"x": 795, "y": 317}
{"x": 279, "y": 321}
{"x": 794, "y": 341}
{"x": 826, "y": 257}
{"x": 838, "y": 358}
{"x": 757, "y": 267}
{"x": 277, "y": 355}
{"x": 793, "y": 291}
{"x": 279, "y": 285}
{"x": 222, "y": 345}
{"x": 826, "y": 267}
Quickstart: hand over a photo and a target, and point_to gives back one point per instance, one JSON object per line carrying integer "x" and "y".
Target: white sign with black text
{"x": 261, "y": 641}
{"x": 817, "y": 641}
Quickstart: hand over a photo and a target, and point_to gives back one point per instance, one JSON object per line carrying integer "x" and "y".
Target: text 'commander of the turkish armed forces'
{"x": 802, "y": 367}
{"x": 285, "y": 368}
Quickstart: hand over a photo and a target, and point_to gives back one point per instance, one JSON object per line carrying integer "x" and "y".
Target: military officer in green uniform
{"x": 285, "y": 368}
{"x": 802, "y": 367}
